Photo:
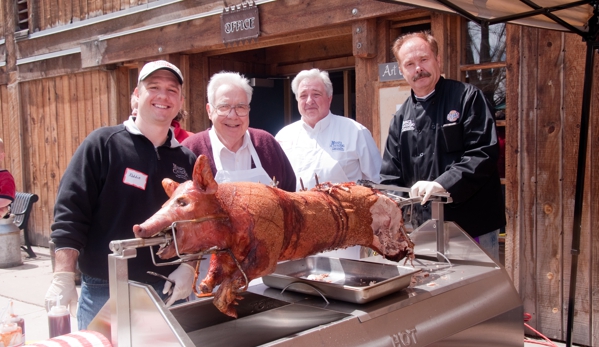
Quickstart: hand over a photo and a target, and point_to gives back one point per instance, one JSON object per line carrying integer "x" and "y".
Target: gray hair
{"x": 313, "y": 74}
{"x": 230, "y": 78}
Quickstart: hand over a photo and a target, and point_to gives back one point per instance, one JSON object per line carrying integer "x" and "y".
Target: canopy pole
{"x": 592, "y": 44}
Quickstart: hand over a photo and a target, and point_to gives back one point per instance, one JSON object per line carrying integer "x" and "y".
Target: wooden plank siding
{"x": 543, "y": 124}
{"x": 574, "y": 57}
{"x": 592, "y": 269}
{"x": 59, "y": 114}
{"x": 10, "y": 134}
{"x": 53, "y": 13}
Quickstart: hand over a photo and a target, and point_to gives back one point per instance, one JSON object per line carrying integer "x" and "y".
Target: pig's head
{"x": 194, "y": 201}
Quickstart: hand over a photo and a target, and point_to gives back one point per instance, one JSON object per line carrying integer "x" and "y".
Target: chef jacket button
{"x": 421, "y": 154}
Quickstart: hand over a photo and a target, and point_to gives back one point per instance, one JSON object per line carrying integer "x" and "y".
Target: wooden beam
{"x": 364, "y": 38}
{"x": 274, "y": 23}
{"x": 60, "y": 40}
{"x": 328, "y": 64}
{"x": 288, "y": 101}
{"x": 301, "y": 37}
{"x": 366, "y": 106}
{"x": 347, "y": 101}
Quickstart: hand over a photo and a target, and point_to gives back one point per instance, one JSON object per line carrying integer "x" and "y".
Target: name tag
{"x": 135, "y": 178}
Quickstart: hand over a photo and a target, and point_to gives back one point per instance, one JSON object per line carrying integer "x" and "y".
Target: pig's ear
{"x": 169, "y": 186}
{"x": 202, "y": 176}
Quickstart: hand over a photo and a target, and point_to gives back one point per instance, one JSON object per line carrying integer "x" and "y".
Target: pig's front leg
{"x": 221, "y": 267}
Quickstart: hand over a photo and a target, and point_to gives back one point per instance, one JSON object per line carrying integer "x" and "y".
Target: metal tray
{"x": 342, "y": 279}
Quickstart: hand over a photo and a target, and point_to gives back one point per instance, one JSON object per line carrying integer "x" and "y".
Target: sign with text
{"x": 389, "y": 72}
{"x": 240, "y": 23}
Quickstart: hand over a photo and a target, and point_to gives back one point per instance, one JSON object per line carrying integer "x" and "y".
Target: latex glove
{"x": 425, "y": 189}
{"x": 183, "y": 278}
{"x": 63, "y": 283}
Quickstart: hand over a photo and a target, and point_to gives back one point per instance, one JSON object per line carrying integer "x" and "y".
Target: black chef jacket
{"x": 449, "y": 138}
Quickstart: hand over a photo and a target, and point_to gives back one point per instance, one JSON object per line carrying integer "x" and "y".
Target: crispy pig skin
{"x": 262, "y": 225}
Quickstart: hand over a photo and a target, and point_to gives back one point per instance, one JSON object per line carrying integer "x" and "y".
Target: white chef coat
{"x": 337, "y": 149}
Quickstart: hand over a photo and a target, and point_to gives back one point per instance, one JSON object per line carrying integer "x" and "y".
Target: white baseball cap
{"x": 152, "y": 66}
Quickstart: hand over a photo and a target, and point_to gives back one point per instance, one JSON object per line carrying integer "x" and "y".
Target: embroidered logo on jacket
{"x": 453, "y": 116}
{"x": 180, "y": 172}
{"x": 408, "y": 125}
{"x": 337, "y": 146}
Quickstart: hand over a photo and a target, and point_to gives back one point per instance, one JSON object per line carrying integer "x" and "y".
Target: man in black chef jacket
{"x": 443, "y": 139}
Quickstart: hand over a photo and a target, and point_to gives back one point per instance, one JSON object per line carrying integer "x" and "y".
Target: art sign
{"x": 389, "y": 72}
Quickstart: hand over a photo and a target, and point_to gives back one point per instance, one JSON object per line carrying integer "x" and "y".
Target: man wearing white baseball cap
{"x": 113, "y": 182}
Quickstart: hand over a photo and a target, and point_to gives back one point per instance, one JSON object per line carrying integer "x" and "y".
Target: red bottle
{"x": 59, "y": 320}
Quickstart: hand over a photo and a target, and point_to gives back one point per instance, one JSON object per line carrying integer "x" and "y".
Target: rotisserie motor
{"x": 253, "y": 226}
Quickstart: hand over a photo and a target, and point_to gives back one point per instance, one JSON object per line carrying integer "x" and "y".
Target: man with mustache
{"x": 443, "y": 139}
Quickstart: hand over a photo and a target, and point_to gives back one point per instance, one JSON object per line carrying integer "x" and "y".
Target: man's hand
{"x": 425, "y": 189}
{"x": 183, "y": 278}
{"x": 63, "y": 285}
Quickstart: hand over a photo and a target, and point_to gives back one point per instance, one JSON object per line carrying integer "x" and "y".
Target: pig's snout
{"x": 138, "y": 231}
{"x": 143, "y": 231}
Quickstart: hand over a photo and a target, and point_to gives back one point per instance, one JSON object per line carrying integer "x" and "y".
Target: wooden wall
{"x": 58, "y": 113}
{"x": 545, "y": 82}
{"x": 53, "y": 13}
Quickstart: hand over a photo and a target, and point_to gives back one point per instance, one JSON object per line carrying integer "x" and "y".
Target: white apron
{"x": 257, "y": 175}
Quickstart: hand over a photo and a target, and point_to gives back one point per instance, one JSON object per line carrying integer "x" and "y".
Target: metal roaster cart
{"x": 454, "y": 294}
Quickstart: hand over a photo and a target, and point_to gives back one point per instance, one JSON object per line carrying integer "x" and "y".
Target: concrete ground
{"x": 26, "y": 286}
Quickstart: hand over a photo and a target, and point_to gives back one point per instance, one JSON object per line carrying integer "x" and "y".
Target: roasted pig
{"x": 251, "y": 226}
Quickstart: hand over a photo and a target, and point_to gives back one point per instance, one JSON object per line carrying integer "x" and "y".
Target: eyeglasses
{"x": 241, "y": 110}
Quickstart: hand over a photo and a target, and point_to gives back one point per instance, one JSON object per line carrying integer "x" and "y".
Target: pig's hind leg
{"x": 227, "y": 296}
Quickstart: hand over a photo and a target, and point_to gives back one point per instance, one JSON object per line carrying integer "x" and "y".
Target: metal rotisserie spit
{"x": 453, "y": 294}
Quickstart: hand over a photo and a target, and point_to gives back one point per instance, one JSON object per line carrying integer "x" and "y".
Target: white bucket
{"x": 10, "y": 243}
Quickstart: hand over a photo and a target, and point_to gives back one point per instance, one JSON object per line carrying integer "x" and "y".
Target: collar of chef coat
{"x": 240, "y": 160}
{"x": 320, "y": 126}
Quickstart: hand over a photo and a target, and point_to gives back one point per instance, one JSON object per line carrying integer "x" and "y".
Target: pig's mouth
{"x": 174, "y": 237}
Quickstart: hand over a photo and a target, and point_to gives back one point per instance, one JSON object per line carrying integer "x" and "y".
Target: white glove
{"x": 183, "y": 278}
{"x": 63, "y": 284}
{"x": 425, "y": 189}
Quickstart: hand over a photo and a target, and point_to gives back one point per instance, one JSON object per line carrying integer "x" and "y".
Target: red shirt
{"x": 7, "y": 185}
{"x": 180, "y": 133}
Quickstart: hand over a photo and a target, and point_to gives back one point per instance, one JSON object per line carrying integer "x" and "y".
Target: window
{"x": 485, "y": 56}
{"x": 22, "y": 15}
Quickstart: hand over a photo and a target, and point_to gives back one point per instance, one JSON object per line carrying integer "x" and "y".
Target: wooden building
{"x": 69, "y": 66}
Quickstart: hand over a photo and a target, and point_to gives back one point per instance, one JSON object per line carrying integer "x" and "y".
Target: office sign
{"x": 240, "y": 23}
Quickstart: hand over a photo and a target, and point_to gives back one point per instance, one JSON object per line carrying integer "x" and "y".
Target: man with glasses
{"x": 237, "y": 152}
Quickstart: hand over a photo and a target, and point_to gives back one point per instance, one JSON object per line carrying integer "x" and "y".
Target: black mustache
{"x": 420, "y": 75}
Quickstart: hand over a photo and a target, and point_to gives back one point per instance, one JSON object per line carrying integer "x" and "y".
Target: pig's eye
{"x": 181, "y": 202}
